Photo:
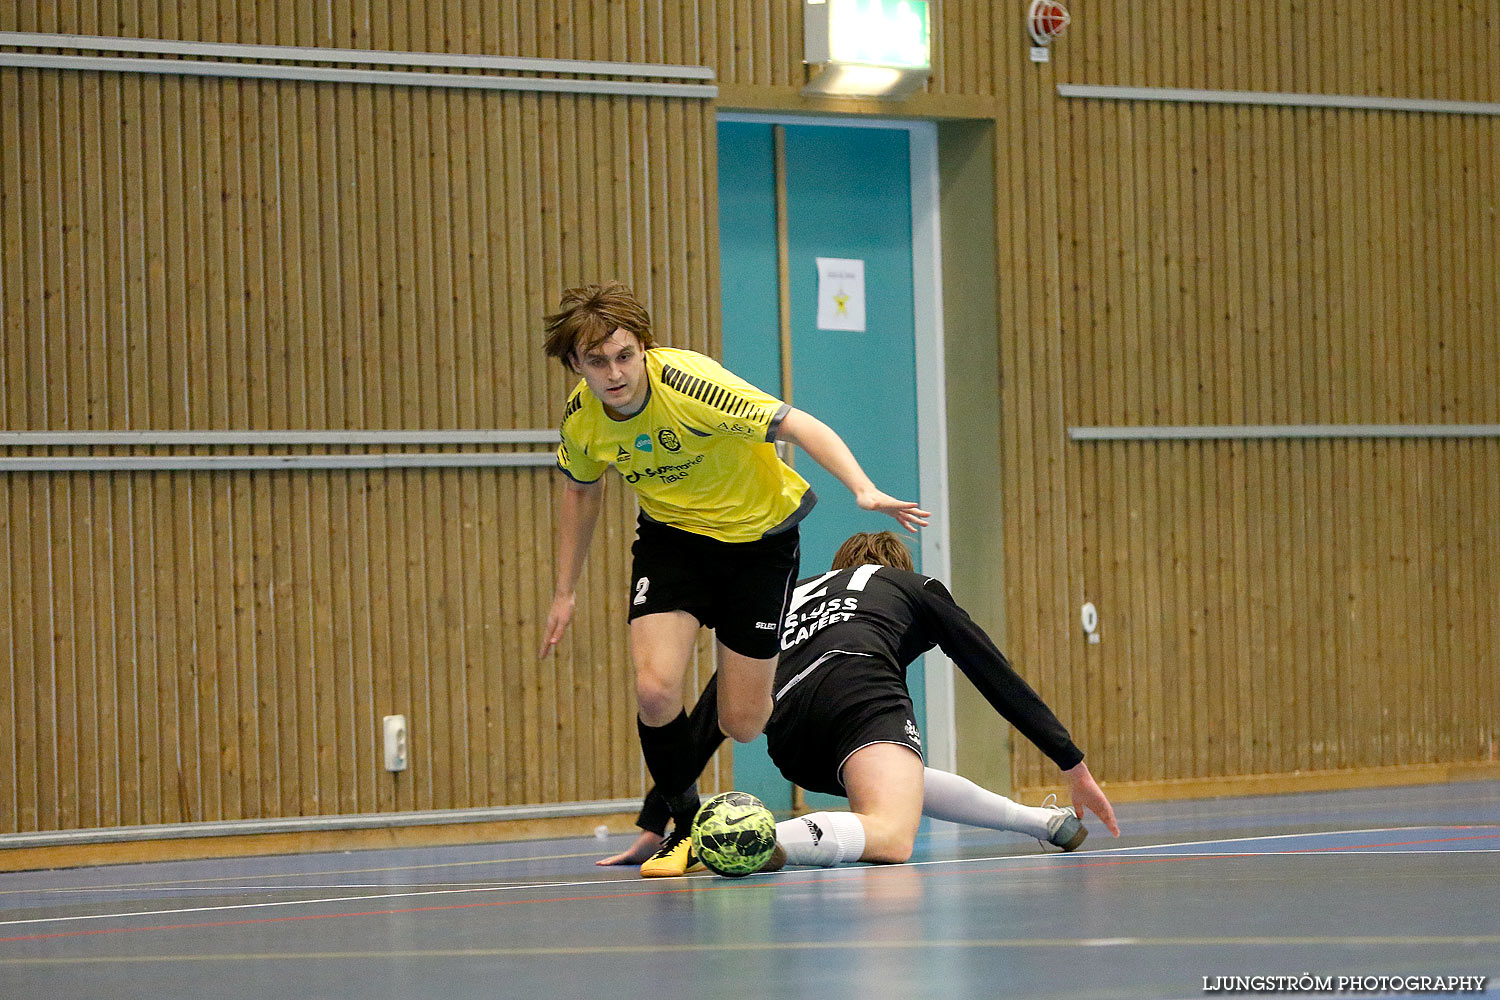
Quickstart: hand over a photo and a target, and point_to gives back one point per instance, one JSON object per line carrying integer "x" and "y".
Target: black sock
{"x": 705, "y": 736}
{"x": 704, "y": 723}
{"x": 669, "y": 755}
{"x": 684, "y": 807}
{"x": 655, "y": 813}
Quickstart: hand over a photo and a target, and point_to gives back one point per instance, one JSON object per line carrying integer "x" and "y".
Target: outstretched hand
{"x": 1086, "y": 794}
{"x": 909, "y": 515}
{"x": 645, "y": 845}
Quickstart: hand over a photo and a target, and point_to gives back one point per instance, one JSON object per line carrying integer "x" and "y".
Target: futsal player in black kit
{"x": 842, "y": 720}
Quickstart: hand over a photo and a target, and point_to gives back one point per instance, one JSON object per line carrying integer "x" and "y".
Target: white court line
{"x": 829, "y": 872}
{"x": 310, "y": 902}
{"x": 944, "y": 832}
{"x": 1265, "y": 805}
{"x": 202, "y": 886}
{"x": 336, "y": 871}
{"x": 166, "y": 886}
{"x": 303, "y": 887}
{"x": 1311, "y": 853}
{"x": 1293, "y": 836}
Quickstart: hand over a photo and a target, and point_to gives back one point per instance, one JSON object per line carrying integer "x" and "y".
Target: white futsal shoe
{"x": 1065, "y": 830}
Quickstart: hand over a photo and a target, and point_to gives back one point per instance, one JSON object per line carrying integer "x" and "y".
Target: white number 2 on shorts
{"x": 640, "y": 590}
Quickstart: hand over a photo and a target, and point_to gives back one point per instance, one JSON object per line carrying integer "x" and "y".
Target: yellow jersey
{"x": 700, "y": 453}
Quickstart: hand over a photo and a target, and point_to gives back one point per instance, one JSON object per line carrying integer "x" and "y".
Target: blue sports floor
{"x": 1370, "y": 883}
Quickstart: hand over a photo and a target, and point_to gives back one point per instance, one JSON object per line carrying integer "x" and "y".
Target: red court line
{"x": 762, "y": 884}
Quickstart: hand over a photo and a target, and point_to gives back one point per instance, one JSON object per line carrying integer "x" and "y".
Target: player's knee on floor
{"x": 888, "y": 843}
{"x": 890, "y": 854}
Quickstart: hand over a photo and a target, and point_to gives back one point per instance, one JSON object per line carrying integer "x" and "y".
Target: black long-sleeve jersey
{"x": 897, "y": 616}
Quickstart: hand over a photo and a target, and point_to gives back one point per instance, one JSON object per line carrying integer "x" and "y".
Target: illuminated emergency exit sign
{"x": 872, "y": 48}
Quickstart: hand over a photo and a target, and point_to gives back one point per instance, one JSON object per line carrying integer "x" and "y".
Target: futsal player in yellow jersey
{"x": 716, "y": 540}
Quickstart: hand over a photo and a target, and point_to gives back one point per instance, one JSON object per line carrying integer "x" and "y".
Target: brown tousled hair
{"x": 884, "y": 548}
{"x": 589, "y": 315}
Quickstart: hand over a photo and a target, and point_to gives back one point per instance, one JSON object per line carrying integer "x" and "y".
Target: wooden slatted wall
{"x": 184, "y": 253}
{"x": 1266, "y": 607}
{"x": 197, "y": 254}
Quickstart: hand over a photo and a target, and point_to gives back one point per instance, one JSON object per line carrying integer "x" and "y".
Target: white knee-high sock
{"x": 957, "y": 799}
{"x": 822, "y": 838}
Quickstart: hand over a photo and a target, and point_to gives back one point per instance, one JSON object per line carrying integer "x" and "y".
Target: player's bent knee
{"x": 742, "y": 726}
{"x": 742, "y": 734}
{"x": 659, "y": 702}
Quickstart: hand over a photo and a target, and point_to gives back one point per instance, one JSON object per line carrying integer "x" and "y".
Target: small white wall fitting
{"x": 395, "y": 742}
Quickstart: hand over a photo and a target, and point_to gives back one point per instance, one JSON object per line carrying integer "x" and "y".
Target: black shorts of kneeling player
{"x": 848, "y": 702}
{"x": 738, "y": 589}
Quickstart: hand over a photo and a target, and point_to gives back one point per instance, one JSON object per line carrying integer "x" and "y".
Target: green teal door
{"x": 849, "y": 195}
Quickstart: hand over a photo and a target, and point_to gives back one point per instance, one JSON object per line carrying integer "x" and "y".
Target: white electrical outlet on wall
{"x": 395, "y": 742}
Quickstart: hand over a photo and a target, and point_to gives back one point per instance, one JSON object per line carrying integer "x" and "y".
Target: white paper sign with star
{"x": 841, "y": 294}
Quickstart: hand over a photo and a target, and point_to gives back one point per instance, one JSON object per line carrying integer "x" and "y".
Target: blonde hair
{"x": 589, "y": 315}
{"x": 884, "y": 548}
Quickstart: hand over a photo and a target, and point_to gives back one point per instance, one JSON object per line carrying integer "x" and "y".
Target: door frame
{"x": 941, "y": 750}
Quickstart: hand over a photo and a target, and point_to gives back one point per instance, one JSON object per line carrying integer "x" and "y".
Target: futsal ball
{"x": 734, "y": 834}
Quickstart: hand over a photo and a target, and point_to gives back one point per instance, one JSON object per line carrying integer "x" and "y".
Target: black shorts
{"x": 738, "y": 589}
{"x": 846, "y": 703}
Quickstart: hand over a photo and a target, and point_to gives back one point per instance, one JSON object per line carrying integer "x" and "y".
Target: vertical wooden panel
{"x": 10, "y": 792}
{"x": 27, "y": 652}
{"x": 947, "y": 66}
{"x": 1138, "y": 353}
{"x": 1020, "y": 545}
{"x": 1192, "y": 733}
{"x": 1203, "y": 313}
{"x": 784, "y": 56}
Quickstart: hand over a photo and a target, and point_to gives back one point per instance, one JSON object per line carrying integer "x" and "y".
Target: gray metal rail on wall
{"x": 1230, "y": 432}
{"x": 281, "y": 62}
{"x": 1358, "y": 102}
{"x": 313, "y": 824}
{"x": 263, "y": 439}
